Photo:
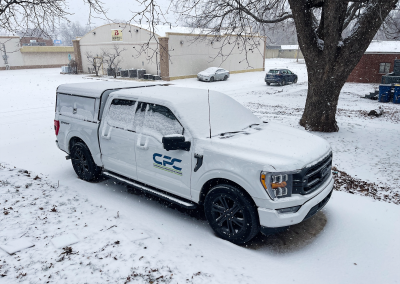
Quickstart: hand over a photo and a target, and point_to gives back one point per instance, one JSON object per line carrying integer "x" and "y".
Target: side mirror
{"x": 176, "y": 143}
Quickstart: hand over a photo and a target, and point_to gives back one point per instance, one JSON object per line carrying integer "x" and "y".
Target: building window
{"x": 384, "y": 68}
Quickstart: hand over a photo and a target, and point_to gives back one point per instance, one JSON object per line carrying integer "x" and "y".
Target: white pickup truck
{"x": 194, "y": 148}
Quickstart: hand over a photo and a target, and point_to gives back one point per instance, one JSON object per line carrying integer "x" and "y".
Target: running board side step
{"x": 165, "y": 196}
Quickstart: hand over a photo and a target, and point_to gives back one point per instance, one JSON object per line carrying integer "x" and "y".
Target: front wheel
{"x": 268, "y": 83}
{"x": 283, "y": 83}
{"x": 226, "y": 77}
{"x": 212, "y": 79}
{"x": 83, "y": 163}
{"x": 231, "y": 214}
{"x": 295, "y": 80}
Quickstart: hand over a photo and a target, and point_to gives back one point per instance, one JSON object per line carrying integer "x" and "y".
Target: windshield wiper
{"x": 233, "y": 132}
{"x": 253, "y": 124}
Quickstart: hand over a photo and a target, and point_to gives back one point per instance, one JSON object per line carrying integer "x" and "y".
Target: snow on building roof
{"x": 291, "y": 46}
{"x": 383, "y": 47}
{"x": 162, "y": 30}
{"x": 95, "y": 89}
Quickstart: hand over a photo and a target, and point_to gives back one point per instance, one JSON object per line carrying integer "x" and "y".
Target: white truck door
{"x": 118, "y": 138}
{"x": 166, "y": 170}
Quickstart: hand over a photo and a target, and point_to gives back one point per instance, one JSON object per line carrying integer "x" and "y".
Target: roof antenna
{"x": 209, "y": 112}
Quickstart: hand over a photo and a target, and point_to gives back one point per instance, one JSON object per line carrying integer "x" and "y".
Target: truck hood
{"x": 275, "y": 147}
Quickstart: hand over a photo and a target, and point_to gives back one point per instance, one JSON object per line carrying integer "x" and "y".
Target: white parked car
{"x": 213, "y": 74}
{"x": 195, "y": 148}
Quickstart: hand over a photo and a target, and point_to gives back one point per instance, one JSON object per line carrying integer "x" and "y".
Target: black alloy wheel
{"x": 212, "y": 79}
{"x": 231, "y": 214}
{"x": 83, "y": 163}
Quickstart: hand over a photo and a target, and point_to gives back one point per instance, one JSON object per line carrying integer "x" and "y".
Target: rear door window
{"x": 121, "y": 114}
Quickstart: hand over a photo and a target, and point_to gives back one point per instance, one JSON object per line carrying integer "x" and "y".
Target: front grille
{"x": 311, "y": 178}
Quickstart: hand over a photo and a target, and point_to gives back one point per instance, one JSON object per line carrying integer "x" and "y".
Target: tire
{"x": 226, "y": 77}
{"x": 295, "y": 81}
{"x": 83, "y": 164}
{"x": 212, "y": 79}
{"x": 239, "y": 227}
{"x": 268, "y": 83}
{"x": 283, "y": 83}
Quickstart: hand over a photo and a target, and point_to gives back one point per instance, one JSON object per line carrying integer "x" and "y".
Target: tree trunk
{"x": 324, "y": 84}
{"x": 320, "y": 109}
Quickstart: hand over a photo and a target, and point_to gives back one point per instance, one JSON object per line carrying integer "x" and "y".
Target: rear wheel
{"x": 83, "y": 163}
{"x": 231, "y": 214}
{"x": 283, "y": 83}
{"x": 212, "y": 79}
{"x": 268, "y": 83}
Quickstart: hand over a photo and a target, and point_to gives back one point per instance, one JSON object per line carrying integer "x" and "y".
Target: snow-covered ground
{"x": 125, "y": 236}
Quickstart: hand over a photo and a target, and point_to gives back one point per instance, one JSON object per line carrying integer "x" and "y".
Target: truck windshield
{"x": 228, "y": 115}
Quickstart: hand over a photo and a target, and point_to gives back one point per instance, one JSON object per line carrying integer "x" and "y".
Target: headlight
{"x": 277, "y": 185}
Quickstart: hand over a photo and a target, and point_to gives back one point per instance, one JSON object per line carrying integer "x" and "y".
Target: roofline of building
{"x": 166, "y": 34}
{"x": 125, "y": 25}
{"x": 69, "y": 49}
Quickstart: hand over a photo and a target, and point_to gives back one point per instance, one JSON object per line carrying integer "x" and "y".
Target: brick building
{"x": 27, "y": 40}
{"x": 378, "y": 60}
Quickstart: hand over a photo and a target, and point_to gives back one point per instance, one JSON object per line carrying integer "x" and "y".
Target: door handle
{"x": 145, "y": 146}
{"x": 106, "y": 135}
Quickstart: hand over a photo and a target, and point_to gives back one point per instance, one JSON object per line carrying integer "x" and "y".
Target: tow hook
{"x": 199, "y": 162}
{"x": 68, "y": 157}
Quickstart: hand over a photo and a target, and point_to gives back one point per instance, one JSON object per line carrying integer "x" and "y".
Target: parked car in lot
{"x": 195, "y": 147}
{"x": 280, "y": 76}
{"x": 213, "y": 74}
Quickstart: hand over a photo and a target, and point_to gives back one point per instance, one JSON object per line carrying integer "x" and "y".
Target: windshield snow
{"x": 211, "y": 70}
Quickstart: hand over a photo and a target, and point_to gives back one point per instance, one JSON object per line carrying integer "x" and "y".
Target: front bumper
{"x": 272, "y": 81}
{"x": 203, "y": 79}
{"x": 272, "y": 219}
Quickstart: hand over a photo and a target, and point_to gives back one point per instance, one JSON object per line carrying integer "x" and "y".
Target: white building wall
{"x": 194, "y": 55}
{"x": 12, "y": 45}
{"x": 45, "y": 58}
{"x": 99, "y": 40}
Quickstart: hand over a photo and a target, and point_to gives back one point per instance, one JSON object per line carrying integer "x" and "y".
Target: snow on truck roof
{"x": 95, "y": 89}
{"x": 194, "y": 107}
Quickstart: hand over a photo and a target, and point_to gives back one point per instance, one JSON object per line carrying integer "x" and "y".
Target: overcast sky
{"x": 121, "y": 10}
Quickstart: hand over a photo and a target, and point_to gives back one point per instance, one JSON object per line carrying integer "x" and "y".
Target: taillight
{"x": 56, "y": 126}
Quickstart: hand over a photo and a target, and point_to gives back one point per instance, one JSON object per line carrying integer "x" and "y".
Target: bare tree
{"x": 39, "y": 15}
{"x": 112, "y": 58}
{"x": 69, "y": 31}
{"x": 95, "y": 61}
{"x": 333, "y": 36}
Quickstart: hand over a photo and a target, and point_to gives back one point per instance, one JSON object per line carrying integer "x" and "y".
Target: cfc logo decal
{"x": 161, "y": 163}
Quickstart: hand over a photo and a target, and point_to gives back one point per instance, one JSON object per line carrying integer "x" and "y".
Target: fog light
{"x": 293, "y": 209}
